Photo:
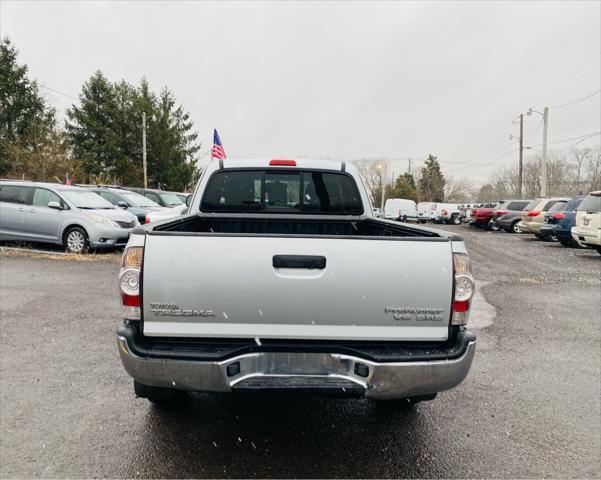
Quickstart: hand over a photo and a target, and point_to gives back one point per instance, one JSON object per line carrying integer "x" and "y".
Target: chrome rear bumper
{"x": 388, "y": 380}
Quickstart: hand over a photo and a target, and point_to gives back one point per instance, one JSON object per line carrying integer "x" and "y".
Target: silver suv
{"x": 52, "y": 213}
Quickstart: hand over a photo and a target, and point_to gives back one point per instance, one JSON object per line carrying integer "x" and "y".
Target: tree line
{"x": 577, "y": 171}
{"x": 426, "y": 184}
{"x": 101, "y": 139}
{"x": 568, "y": 174}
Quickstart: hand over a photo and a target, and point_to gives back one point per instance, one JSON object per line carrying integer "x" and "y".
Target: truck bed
{"x": 300, "y": 225}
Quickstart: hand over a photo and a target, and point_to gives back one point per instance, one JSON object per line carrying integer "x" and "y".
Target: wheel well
{"x": 69, "y": 227}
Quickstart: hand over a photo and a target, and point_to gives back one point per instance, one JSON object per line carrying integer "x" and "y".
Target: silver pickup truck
{"x": 279, "y": 279}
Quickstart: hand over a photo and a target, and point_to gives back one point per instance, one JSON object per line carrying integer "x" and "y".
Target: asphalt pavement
{"x": 530, "y": 407}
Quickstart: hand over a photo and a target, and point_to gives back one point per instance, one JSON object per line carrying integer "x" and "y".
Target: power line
{"x": 540, "y": 123}
{"x": 59, "y": 92}
{"x": 580, "y": 138}
{"x": 584, "y": 137}
{"x": 576, "y": 72}
{"x": 576, "y": 101}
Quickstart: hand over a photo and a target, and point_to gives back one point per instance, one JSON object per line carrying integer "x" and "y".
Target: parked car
{"x": 533, "y": 216}
{"x": 482, "y": 216}
{"x": 377, "y": 212}
{"x": 53, "y": 213}
{"x": 165, "y": 214}
{"x": 559, "y": 221}
{"x": 507, "y": 215}
{"x": 400, "y": 209}
{"x": 426, "y": 212}
{"x": 259, "y": 288}
{"x": 448, "y": 213}
{"x": 547, "y": 229}
{"x": 467, "y": 210}
{"x": 183, "y": 197}
{"x": 587, "y": 228}
{"x": 161, "y": 197}
{"x": 133, "y": 202}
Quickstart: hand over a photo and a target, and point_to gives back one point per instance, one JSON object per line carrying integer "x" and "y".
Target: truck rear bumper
{"x": 316, "y": 371}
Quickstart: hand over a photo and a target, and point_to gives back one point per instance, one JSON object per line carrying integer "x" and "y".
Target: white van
{"x": 400, "y": 209}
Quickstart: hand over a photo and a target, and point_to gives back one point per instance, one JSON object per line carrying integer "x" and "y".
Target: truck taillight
{"x": 463, "y": 289}
{"x": 147, "y": 219}
{"x": 129, "y": 282}
{"x": 282, "y": 163}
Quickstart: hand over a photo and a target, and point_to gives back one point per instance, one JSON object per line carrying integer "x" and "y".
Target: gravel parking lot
{"x": 531, "y": 406}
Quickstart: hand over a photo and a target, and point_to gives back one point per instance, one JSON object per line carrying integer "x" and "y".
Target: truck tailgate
{"x": 231, "y": 286}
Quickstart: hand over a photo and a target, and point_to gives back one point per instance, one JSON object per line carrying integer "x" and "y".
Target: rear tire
{"x": 158, "y": 395}
{"x": 76, "y": 240}
{"x": 515, "y": 228}
{"x": 455, "y": 220}
{"x": 492, "y": 225}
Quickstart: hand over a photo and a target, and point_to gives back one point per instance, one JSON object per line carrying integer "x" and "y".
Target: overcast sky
{"x": 336, "y": 79}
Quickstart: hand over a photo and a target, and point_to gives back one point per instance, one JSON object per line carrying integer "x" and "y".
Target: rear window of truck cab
{"x": 282, "y": 191}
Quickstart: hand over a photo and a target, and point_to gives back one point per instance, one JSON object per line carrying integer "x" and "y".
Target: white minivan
{"x": 400, "y": 209}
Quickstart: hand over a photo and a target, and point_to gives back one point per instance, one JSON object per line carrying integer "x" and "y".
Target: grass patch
{"x": 111, "y": 257}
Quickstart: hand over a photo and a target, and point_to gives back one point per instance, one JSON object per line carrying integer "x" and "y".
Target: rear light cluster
{"x": 129, "y": 282}
{"x": 559, "y": 216}
{"x": 500, "y": 212}
{"x": 147, "y": 219}
{"x": 534, "y": 213}
{"x": 463, "y": 289}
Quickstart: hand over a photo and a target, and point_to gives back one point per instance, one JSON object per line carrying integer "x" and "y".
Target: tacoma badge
{"x": 173, "y": 310}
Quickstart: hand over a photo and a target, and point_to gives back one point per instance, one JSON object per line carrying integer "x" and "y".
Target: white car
{"x": 166, "y": 213}
{"x": 400, "y": 209}
{"x": 587, "y": 228}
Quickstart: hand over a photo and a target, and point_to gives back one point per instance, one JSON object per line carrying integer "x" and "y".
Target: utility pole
{"x": 383, "y": 189}
{"x": 409, "y": 168}
{"x": 543, "y": 191}
{"x": 144, "y": 149}
{"x": 521, "y": 155}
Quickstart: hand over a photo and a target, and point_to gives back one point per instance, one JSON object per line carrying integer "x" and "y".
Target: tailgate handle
{"x": 299, "y": 261}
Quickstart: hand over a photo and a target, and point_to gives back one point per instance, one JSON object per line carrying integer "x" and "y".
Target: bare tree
{"x": 594, "y": 170}
{"x": 457, "y": 191}
{"x": 567, "y": 174}
{"x": 372, "y": 172}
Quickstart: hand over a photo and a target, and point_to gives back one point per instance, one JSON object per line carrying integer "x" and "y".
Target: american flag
{"x": 218, "y": 151}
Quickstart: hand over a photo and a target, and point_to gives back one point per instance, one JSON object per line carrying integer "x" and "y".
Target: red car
{"x": 484, "y": 216}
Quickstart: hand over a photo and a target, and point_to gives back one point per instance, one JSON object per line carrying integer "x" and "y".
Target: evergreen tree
{"x": 96, "y": 130}
{"x": 431, "y": 182}
{"x": 106, "y": 133}
{"x": 404, "y": 187}
{"x": 26, "y": 121}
